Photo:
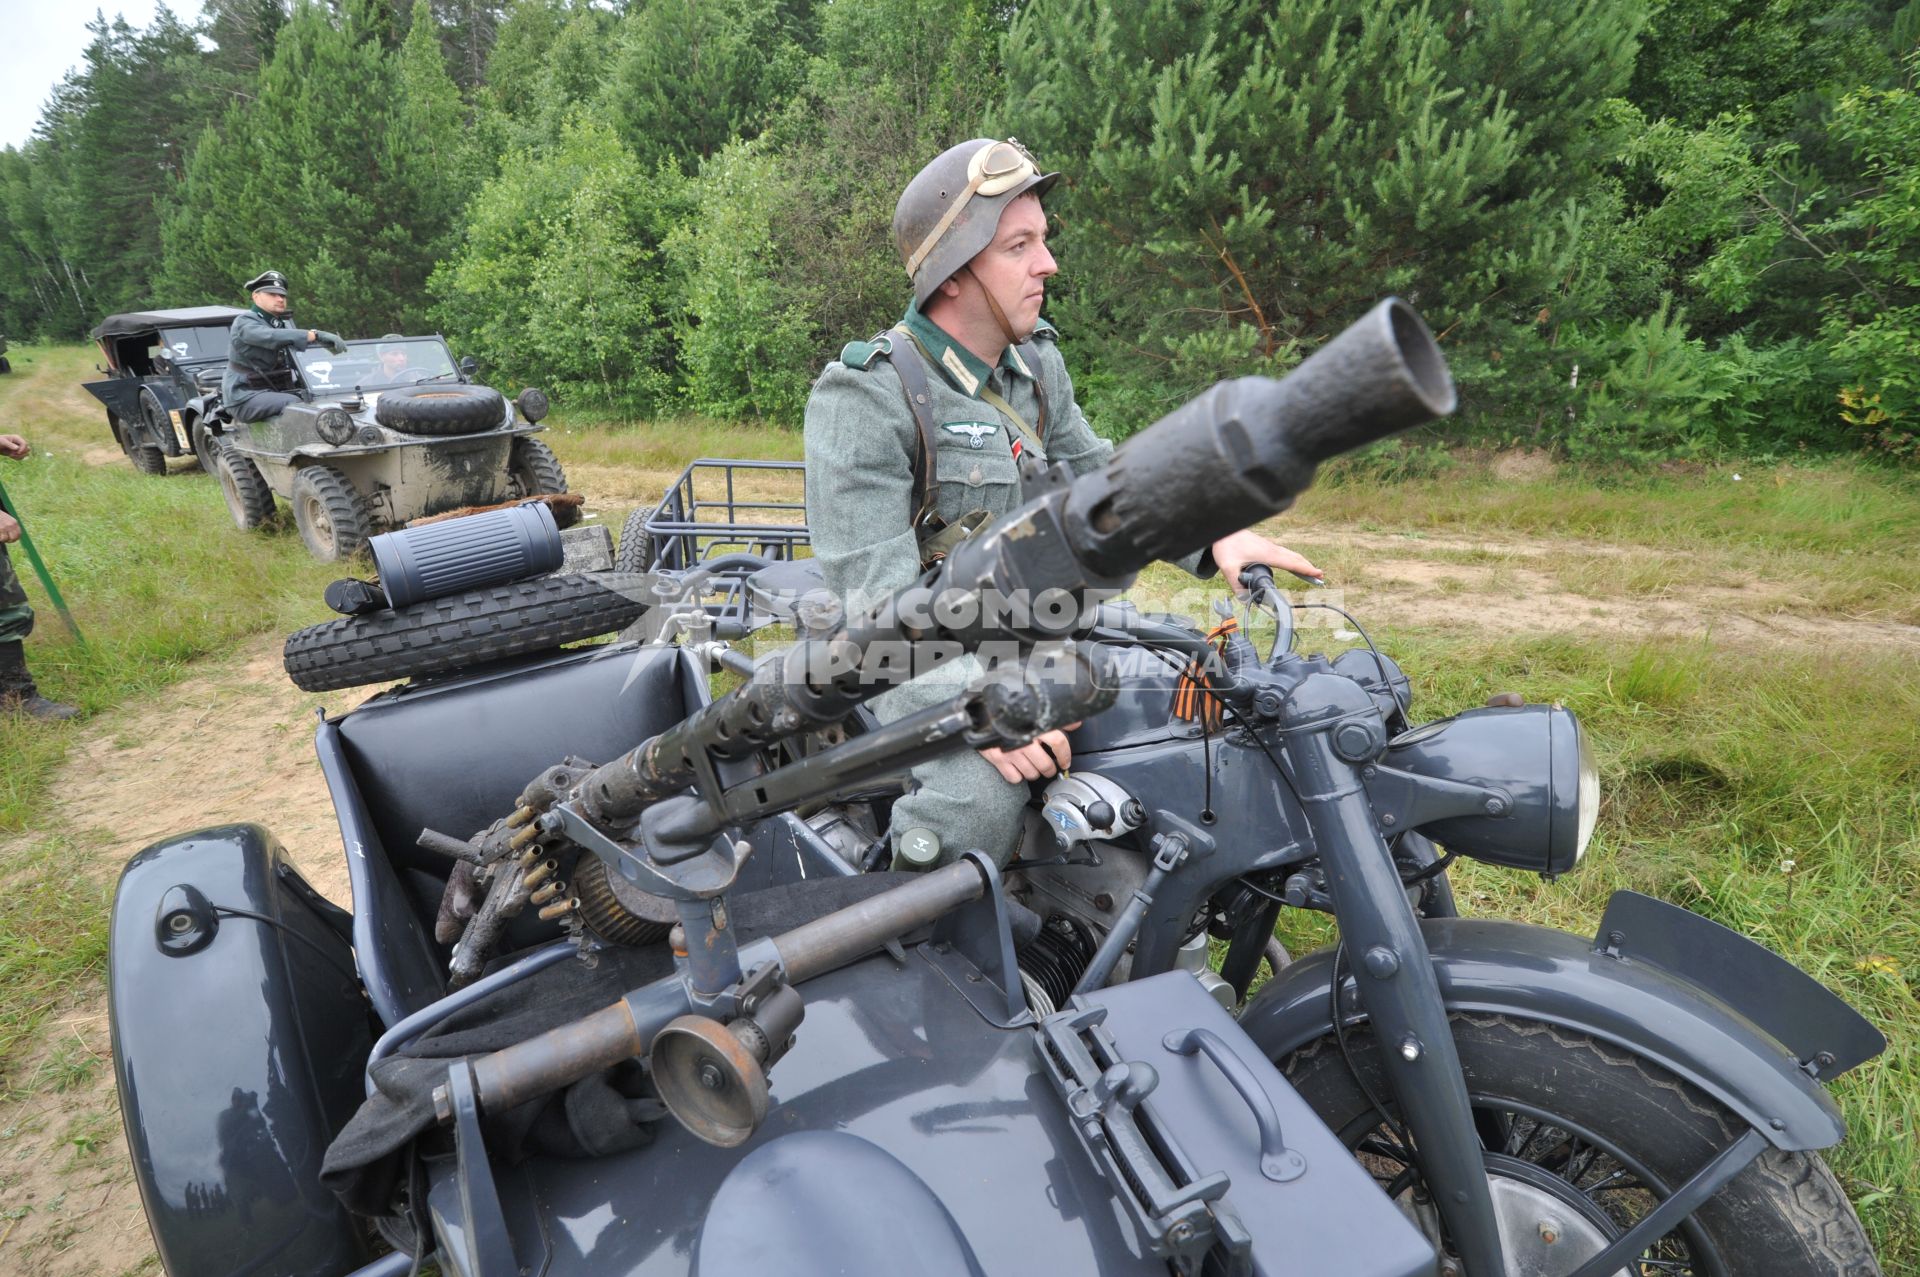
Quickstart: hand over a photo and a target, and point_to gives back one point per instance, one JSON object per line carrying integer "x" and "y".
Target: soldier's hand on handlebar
{"x": 1037, "y": 759}
{"x": 13, "y": 446}
{"x": 1234, "y": 552}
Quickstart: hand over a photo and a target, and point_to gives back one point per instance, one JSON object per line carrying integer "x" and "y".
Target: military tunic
{"x": 861, "y": 441}
{"x": 259, "y": 380}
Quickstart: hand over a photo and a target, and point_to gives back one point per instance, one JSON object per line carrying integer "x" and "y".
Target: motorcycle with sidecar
{"x": 625, "y": 990}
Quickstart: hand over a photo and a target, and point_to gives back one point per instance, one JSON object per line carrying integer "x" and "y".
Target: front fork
{"x": 1333, "y": 731}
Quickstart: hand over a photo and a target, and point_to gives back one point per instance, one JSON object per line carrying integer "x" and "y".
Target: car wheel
{"x": 635, "y": 553}
{"x": 249, "y": 499}
{"x": 147, "y": 458}
{"x": 206, "y": 445}
{"x": 439, "y": 635}
{"x": 534, "y": 469}
{"x": 329, "y": 513}
{"x": 441, "y": 410}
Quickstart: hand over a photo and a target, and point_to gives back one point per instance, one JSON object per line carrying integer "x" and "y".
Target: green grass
{"x": 1721, "y": 764}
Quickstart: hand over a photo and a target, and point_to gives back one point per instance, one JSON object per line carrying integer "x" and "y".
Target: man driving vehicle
{"x": 260, "y": 376}
{"x": 912, "y": 441}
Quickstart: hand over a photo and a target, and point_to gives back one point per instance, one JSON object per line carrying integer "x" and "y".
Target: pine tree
{"x": 692, "y": 74}
{"x": 342, "y": 171}
{"x": 1244, "y": 178}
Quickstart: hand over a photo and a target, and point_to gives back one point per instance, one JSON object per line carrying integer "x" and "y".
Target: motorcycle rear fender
{"x": 1723, "y": 1023}
{"x": 239, "y": 1037}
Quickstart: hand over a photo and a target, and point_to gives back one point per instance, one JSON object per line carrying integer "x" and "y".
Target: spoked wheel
{"x": 1581, "y": 1141}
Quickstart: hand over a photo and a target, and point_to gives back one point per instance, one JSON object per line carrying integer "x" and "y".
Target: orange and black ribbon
{"x": 1193, "y": 699}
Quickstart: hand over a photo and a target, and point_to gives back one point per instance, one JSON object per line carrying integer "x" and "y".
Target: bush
{"x": 561, "y": 280}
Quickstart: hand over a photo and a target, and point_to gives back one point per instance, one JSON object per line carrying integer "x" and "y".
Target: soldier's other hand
{"x": 13, "y": 446}
{"x": 9, "y": 528}
{"x": 332, "y": 342}
{"x": 1236, "y": 550}
{"x": 1038, "y": 758}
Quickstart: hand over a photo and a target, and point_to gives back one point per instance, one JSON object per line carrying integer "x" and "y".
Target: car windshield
{"x": 183, "y": 345}
{"x": 373, "y": 365}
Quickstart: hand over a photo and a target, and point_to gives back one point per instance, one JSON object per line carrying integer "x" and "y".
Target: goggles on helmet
{"x": 994, "y": 170}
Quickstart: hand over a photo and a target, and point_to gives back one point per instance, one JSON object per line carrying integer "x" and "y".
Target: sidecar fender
{"x": 1673, "y": 988}
{"x": 239, "y": 1035}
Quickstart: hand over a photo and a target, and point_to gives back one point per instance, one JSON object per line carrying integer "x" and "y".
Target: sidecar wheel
{"x": 1604, "y": 1135}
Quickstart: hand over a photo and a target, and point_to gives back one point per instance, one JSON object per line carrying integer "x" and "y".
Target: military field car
{"x": 391, "y": 430}
{"x": 162, "y": 381}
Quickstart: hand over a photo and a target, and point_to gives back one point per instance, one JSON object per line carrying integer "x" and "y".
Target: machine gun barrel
{"x": 625, "y": 1029}
{"x": 1242, "y": 451}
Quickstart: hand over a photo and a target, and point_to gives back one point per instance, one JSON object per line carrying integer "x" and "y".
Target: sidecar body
{"x": 924, "y": 1119}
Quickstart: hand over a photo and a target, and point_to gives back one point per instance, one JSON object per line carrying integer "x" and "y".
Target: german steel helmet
{"x": 267, "y": 281}
{"x": 951, "y": 209}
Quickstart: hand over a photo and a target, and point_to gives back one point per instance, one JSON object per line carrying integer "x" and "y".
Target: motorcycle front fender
{"x": 1668, "y": 986}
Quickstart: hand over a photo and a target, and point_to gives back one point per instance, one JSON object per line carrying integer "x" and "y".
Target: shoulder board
{"x": 1043, "y": 329}
{"x": 861, "y": 354}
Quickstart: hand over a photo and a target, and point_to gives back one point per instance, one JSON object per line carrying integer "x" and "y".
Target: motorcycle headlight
{"x": 335, "y": 425}
{"x": 1538, "y": 759}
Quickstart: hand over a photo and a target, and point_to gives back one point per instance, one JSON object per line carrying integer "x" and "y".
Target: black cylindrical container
{"x": 467, "y": 553}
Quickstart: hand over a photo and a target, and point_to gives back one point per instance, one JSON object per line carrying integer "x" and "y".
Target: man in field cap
{"x": 260, "y": 376}
{"x": 913, "y": 440}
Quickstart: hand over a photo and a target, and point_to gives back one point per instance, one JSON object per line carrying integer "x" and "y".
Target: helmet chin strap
{"x": 999, "y": 316}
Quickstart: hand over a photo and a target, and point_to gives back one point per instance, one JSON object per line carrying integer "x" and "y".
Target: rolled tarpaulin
{"x": 468, "y": 553}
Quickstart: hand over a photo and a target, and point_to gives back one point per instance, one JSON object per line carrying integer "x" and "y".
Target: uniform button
{"x": 974, "y": 476}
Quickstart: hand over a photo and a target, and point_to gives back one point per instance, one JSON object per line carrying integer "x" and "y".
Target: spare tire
{"x": 441, "y": 410}
{"x": 438, "y": 635}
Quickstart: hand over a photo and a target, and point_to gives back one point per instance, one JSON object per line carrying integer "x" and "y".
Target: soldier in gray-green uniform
{"x": 260, "y": 374}
{"x": 912, "y": 440}
{"x": 18, "y": 695}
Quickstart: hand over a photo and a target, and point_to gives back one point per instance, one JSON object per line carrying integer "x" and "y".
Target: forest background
{"x": 1643, "y": 229}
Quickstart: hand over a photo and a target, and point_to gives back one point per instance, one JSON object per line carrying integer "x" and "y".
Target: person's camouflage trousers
{"x": 16, "y": 614}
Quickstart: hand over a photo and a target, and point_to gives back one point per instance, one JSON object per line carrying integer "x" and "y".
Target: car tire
{"x": 329, "y": 513}
{"x": 534, "y": 469}
{"x": 147, "y": 458}
{"x": 206, "y": 445}
{"x": 249, "y": 499}
{"x": 435, "y": 636}
{"x": 440, "y": 409}
{"x": 5, "y": 367}
{"x": 635, "y": 552}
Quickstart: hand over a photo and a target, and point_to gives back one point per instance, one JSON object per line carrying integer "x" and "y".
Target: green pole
{"x": 39, "y": 568}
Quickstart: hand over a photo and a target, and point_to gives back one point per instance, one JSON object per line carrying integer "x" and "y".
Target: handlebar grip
{"x": 1256, "y": 579}
{"x": 1242, "y": 451}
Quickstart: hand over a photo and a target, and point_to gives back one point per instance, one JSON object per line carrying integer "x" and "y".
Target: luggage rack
{"x": 705, "y": 524}
{"x": 693, "y": 523}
